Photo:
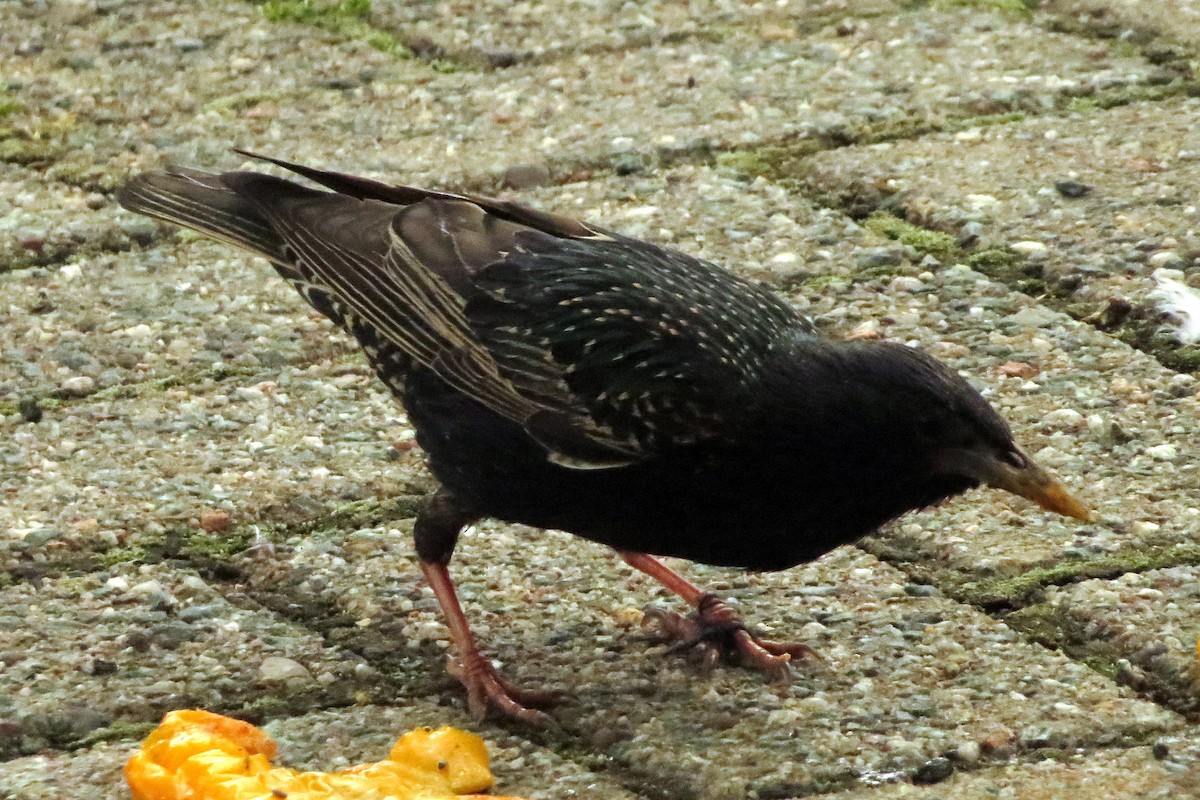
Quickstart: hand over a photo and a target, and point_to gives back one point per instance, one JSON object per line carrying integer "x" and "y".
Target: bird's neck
{"x": 831, "y": 411}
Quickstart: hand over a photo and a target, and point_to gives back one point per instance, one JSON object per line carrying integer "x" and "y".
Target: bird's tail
{"x": 205, "y": 203}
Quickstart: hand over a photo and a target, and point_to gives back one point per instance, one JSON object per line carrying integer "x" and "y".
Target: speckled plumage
{"x": 564, "y": 376}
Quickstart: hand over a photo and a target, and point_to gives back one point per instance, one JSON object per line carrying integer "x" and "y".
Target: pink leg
{"x": 485, "y": 687}
{"x": 714, "y": 626}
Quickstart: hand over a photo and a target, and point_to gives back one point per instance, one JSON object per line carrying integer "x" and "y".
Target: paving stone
{"x": 1140, "y": 627}
{"x": 47, "y": 223}
{"x": 152, "y": 317}
{"x": 471, "y": 33}
{"x": 179, "y": 389}
{"x": 128, "y": 644}
{"x": 94, "y": 773}
{"x": 694, "y": 94}
{"x": 100, "y": 90}
{"x": 1141, "y": 164}
{"x": 141, "y": 471}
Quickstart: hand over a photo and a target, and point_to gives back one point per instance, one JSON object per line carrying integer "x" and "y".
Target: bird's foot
{"x": 716, "y": 630}
{"x": 486, "y": 688}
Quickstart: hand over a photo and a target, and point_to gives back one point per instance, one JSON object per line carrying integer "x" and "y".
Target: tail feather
{"x": 204, "y": 203}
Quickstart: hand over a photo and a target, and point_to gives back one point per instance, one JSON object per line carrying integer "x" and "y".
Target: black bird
{"x": 564, "y": 376}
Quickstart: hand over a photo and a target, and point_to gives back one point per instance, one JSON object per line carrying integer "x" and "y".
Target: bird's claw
{"x": 716, "y": 630}
{"x": 486, "y": 688}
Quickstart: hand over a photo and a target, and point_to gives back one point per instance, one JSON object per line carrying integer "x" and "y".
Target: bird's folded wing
{"x": 661, "y": 348}
{"x": 346, "y": 256}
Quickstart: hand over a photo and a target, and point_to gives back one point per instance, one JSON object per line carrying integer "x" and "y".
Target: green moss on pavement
{"x": 350, "y": 19}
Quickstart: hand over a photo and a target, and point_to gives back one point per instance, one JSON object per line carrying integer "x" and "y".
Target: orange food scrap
{"x": 198, "y": 755}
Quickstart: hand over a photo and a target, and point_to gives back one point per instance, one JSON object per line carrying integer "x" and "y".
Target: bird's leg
{"x": 436, "y": 533}
{"x": 713, "y": 625}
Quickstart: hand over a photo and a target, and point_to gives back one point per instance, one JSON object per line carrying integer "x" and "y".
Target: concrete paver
{"x": 1139, "y": 626}
{"x": 1139, "y": 165}
{"x": 129, "y": 644}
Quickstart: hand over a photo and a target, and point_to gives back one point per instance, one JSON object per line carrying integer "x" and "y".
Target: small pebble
{"x": 628, "y": 163}
{"x": 79, "y": 386}
{"x": 1163, "y": 452}
{"x": 99, "y": 667}
{"x": 215, "y": 520}
{"x": 41, "y": 536}
{"x": 200, "y": 611}
{"x": 279, "y": 669}
{"x": 1063, "y": 419}
{"x": 30, "y": 409}
{"x": 934, "y": 770}
{"x": 501, "y": 59}
{"x": 1034, "y": 251}
{"x": 879, "y": 257}
{"x": 905, "y": 284}
{"x": 525, "y": 176}
{"x": 1072, "y": 189}
{"x": 139, "y": 230}
{"x": 147, "y": 588}
{"x": 1033, "y": 317}
{"x": 1018, "y": 369}
{"x": 969, "y": 752}
{"x": 1165, "y": 259}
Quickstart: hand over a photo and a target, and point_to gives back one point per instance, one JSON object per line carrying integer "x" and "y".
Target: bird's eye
{"x": 1015, "y": 459}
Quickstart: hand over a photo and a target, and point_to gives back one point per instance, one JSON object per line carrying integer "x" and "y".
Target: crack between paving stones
{"x": 329, "y": 620}
{"x": 1018, "y": 602}
{"x": 1138, "y": 327}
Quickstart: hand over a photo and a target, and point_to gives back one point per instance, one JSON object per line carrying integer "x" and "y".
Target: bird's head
{"x": 960, "y": 432}
{"x": 960, "y": 450}
{"x": 934, "y": 424}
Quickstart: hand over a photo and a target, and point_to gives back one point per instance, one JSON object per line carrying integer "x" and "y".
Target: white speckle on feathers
{"x": 1174, "y": 297}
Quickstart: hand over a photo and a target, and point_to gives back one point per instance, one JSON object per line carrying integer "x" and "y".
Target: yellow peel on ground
{"x": 198, "y": 755}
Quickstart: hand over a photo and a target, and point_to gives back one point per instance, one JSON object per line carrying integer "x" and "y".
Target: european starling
{"x": 565, "y": 376}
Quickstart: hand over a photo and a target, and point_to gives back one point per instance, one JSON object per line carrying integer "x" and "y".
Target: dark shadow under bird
{"x": 564, "y": 376}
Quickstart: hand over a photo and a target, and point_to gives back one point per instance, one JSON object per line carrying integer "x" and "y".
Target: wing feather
{"x": 604, "y": 348}
{"x": 660, "y": 347}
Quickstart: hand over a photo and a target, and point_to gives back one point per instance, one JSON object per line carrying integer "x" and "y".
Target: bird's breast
{"x": 728, "y": 504}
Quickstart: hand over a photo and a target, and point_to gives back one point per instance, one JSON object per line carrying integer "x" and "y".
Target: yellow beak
{"x": 1029, "y": 480}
